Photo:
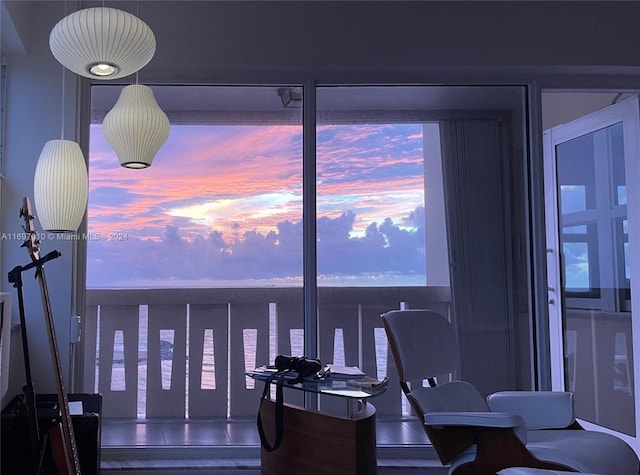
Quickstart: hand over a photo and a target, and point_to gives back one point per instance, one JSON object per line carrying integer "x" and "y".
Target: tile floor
{"x": 232, "y": 446}
{"x": 223, "y": 432}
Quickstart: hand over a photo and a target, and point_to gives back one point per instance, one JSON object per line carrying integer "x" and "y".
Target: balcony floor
{"x": 228, "y": 433}
{"x": 167, "y": 446}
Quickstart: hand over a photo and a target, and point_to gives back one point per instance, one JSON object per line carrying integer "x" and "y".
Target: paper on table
{"x": 348, "y": 371}
{"x": 265, "y": 369}
{"x": 354, "y": 393}
{"x": 369, "y": 383}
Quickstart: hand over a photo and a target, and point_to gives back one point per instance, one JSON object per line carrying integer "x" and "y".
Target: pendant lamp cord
{"x": 62, "y": 118}
{"x": 138, "y": 15}
{"x": 62, "y": 95}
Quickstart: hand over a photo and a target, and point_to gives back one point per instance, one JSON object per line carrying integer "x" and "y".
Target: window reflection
{"x": 595, "y": 274}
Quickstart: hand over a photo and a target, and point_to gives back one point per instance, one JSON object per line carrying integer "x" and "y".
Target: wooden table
{"x": 317, "y": 443}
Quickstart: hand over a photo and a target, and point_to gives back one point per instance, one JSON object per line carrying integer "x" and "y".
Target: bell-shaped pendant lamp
{"x": 60, "y": 187}
{"x": 136, "y": 127}
{"x": 102, "y": 43}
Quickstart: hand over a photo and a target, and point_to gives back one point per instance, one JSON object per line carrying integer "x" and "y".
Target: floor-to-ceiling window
{"x": 195, "y": 267}
{"x": 220, "y": 207}
{"x": 378, "y": 236}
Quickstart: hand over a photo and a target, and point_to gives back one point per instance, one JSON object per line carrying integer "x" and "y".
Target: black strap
{"x": 279, "y": 412}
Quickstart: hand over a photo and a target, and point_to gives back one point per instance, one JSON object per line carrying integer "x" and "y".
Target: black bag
{"x": 303, "y": 367}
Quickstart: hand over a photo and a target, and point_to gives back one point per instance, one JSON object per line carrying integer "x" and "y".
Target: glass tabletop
{"x": 329, "y": 385}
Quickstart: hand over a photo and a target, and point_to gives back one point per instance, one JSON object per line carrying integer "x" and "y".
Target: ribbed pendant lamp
{"x": 136, "y": 127}
{"x": 102, "y": 43}
{"x": 60, "y": 187}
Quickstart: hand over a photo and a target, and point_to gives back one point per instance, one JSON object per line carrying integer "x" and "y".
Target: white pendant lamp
{"x": 60, "y": 186}
{"x": 102, "y": 43}
{"x": 136, "y": 127}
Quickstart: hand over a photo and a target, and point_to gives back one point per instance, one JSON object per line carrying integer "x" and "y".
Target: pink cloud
{"x": 201, "y": 164}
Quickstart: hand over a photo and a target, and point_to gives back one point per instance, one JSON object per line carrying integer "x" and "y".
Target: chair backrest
{"x": 424, "y": 346}
{"x": 422, "y": 342}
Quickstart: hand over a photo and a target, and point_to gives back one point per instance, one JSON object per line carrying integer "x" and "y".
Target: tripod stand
{"x": 38, "y": 443}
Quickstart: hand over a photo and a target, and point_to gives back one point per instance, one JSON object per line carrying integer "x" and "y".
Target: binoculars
{"x": 300, "y": 364}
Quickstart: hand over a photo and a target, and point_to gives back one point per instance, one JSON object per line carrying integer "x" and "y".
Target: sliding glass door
{"x": 199, "y": 269}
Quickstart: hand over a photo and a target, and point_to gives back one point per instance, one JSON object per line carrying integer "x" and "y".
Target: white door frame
{"x": 628, "y": 113}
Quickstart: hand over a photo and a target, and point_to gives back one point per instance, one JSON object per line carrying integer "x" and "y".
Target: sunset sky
{"x": 224, "y": 203}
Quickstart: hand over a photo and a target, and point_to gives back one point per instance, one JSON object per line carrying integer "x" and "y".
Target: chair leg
{"x": 500, "y": 448}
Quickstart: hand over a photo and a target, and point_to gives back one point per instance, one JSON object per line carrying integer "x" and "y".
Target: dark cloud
{"x": 385, "y": 248}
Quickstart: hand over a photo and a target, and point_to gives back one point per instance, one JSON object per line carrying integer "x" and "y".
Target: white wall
{"x": 34, "y": 116}
{"x": 562, "y": 107}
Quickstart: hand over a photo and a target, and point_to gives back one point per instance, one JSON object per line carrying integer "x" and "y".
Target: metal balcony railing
{"x": 176, "y": 353}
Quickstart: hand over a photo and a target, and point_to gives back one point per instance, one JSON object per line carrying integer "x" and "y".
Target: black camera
{"x": 300, "y": 364}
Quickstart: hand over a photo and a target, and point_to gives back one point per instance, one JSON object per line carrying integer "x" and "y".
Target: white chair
{"x": 474, "y": 436}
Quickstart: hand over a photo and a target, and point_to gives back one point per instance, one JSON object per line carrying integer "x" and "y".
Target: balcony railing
{"x": 176, "y": 353}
